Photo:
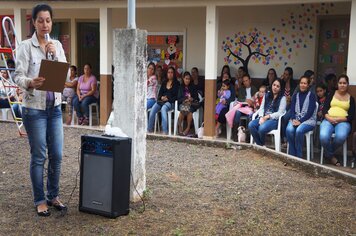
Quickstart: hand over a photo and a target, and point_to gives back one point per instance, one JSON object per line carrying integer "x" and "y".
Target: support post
{"x": 351, "y": 58}
{"x": 210, "y": 70}
{"x": 130, "y": 91}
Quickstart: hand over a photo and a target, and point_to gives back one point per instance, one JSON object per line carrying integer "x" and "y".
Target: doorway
{"x": 332, "y": 45}
{"x": 88, "y": 47}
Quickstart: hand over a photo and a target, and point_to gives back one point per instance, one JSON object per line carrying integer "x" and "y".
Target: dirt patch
{"x": 191, "y": 190}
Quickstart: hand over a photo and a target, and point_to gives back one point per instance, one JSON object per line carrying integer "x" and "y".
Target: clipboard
{"x": 55, "y": 73}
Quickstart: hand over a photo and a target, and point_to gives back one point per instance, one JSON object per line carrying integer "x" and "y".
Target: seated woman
{"x": 272, "y": 107}
{"x": 70, "y": 87}
{"x": 271, "y": 76}
{"x": 165, "y": 102}
{"x": 87, "y": 94}
{"x": 151, "y": 85}
{"x": 245, "y": 95}
{"x": 339, "y": 110}
{"x": 303, "y": 117}
{"x": 188, "y": 103}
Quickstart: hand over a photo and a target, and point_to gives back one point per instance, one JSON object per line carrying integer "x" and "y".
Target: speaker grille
{"x": 97, "y": 182}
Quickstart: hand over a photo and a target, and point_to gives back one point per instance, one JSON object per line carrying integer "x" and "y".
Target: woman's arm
{"x": 311, "y": 108}
{"x": 281, "y": 109}
{"x": 22, "y": 65}
{"x": 327, "y": 103}
{"x": 351, "y": 112}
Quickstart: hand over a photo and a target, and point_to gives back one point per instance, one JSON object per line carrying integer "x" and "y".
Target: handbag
{"x": 184, "y": 107}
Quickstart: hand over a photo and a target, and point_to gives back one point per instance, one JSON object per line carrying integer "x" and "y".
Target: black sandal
{"x": 335, "y": 161}
{"x": 43, "y": 213}
{"x": 58, "y": 205}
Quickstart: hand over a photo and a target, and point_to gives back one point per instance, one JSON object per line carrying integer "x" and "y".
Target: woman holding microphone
{"x": 42, "y": 115}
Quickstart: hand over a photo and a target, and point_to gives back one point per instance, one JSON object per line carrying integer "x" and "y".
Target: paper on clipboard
{"x": 55, "y": 73}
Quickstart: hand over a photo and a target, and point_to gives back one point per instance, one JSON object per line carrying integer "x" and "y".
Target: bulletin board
{"x": 167, "y": 49}
{"x": 332, "y": 46}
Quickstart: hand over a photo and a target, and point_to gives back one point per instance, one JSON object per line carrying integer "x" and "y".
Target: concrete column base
{"x": 130, "y": 91}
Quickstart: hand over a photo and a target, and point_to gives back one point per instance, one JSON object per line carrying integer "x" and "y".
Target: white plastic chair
{"x": 4, "y": 113}
{"x": 228, "y": 128}
{"x": 91, "y": 113}
{"x": 169, "y": 119}
{"x": 344, "y": 150}
{"x": 276, "y": 132}
{"x": 196, "y": 115}
{"x": 309, "y": 138}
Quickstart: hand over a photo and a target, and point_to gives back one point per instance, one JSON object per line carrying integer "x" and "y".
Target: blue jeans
{"x": 237, "y": 118}
{"x": 341, "y": 131}
{"x": 164, "y": 115}
{"x": 82, "y": 107}
{"x": 150, "y": 102}
{"x": 295, "y": 137}
{"x": 45, "y": 131}
{"x": 259, "y": 132}
{"x": 17, "y": 110}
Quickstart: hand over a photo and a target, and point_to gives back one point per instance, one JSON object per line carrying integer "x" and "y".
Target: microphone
{"x": 49, "y": 54}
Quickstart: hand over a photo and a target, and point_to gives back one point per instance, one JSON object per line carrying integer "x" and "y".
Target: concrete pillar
{"x": 351, "y": 57}
{"x": 211, "y": 50}
{"x": 130, "y": 91}
{"x": 105, "y": 64}
{"x": 73, "y": 42}
{"x": 20, "y": 23}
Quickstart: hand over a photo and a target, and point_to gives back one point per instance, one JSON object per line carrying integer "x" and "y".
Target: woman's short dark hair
{"x": 321, "y": 85}
{"x": 186, "y": 74}
{"x": 41, "y": 7}
{"x": 87, "y": 64}
{"x": 305, "y": 77}
{"x": 74, "y": 68}
{"x": 308, "y": 73}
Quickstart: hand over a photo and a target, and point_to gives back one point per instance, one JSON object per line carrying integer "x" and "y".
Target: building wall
{"x": 189, "y": 20}
{"x": 275, "y": 22}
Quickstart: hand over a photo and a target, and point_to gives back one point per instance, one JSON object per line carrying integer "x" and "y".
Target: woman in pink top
{"x": 87, "y": 94}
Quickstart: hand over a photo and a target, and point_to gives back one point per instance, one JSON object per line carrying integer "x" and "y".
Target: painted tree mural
{"x": 278, "y": 45}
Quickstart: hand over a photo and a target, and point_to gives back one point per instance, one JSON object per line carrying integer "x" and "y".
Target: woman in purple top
{"x": 87, "y": 94}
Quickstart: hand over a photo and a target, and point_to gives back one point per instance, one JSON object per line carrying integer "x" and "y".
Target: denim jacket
{"x": 28, "y": 60}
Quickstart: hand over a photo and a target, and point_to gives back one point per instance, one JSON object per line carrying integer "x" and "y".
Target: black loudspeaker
{"x": 105, "y": 169}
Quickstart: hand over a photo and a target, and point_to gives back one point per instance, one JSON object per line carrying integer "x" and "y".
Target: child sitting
{"x": 321, "y": 96}
{"x": 224, "y": 94}
{"x": 259, "y": 96}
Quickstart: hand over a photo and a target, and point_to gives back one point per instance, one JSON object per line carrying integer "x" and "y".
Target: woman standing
{"x": 339, "y": 111}
{"x": 87, "y": 93}
{"x": 151, "y": 85}
{"x": 42, "y": 115}
{"x": 272, "y": 107}
{"x": 303, "y": 117}
{"x": 165, "y": 102}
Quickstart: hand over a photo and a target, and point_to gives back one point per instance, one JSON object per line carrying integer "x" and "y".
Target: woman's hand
{"x": 249, "y": 102}
{"x": 50, "y": 48}
{"x": 295, "y": 122}
{"x": 37, "y": 82}
{"x": 332, "y": 120}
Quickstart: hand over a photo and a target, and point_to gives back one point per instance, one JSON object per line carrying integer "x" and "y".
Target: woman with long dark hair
{"x": 167, "y": 95}
{"x": 273, "y": 106}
